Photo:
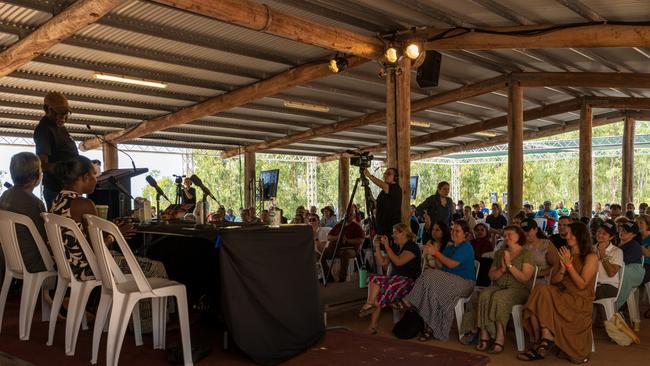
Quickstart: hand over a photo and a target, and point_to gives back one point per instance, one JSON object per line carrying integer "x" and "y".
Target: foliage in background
{"x": 553, "y": 179}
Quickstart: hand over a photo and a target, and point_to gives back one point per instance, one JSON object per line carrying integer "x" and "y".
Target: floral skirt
{"x": 391, "y": 288}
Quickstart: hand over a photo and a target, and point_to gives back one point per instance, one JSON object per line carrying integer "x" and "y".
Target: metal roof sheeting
{"x": 199, "y": 58}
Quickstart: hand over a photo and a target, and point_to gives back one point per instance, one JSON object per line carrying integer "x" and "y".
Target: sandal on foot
{"x": 544, "y": 346}
{"x": 367, "y": 309}
{"x": 370, "y": 331}
{"x": 426, "y": 335}
{"x": 530, "y": 355}
{"x": 484, "y": 345}
{"x": 494, "y": 350}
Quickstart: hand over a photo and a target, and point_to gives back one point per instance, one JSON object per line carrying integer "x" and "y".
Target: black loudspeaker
{"x": 429, "y": 72}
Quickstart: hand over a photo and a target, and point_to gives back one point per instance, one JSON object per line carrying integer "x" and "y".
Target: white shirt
{"x": 615, "y": 255}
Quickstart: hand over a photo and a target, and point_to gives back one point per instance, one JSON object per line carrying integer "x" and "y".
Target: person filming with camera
{"x": 189, "y": 193}
{"x": 389, "y": 201}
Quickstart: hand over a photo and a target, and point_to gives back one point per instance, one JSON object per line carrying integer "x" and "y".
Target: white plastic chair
{"x": 517, "y": 319}
{"x": 608, "y": 302}
{"x": 15, "y": 268}
{"x": 127, "y": 291}
{"x": 459, "y": 309}
{"x": 79, "y": 290}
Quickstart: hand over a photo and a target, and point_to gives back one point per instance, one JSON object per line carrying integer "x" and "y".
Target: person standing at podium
{"x": 53, "y": 143}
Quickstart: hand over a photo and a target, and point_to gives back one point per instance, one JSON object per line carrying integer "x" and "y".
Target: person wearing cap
{"x": 610, "y": 260}
{"x": 328, "y": 219}
{"x": 543, "y": 251}
{"x": 53, "y": 143}
{"x": 550, "y": 215}
{"x": 633, "y": 258}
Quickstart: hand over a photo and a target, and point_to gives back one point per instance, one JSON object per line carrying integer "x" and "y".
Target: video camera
{"x": 179, "y": 178}
{"x": 362, "y": 160}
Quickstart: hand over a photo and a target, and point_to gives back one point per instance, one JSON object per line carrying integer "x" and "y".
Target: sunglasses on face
{"x": 312, "y": 220}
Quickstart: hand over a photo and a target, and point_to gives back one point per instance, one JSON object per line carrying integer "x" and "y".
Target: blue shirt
{"x": 646, "y": 243}
{"x": 485, "y": 211}
{"x": 463, "y": 253}
{"x": 551, "y": 213}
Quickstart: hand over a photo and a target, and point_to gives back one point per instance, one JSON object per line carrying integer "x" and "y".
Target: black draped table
{"x": 269, "y": 289}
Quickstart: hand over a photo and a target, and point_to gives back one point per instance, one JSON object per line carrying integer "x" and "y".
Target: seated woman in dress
{"x": 78, "y": 177}
{"x": 511, "y": 274}
{"x": 542, "y": 249}
{"x": 559, "y": 314}
{"x": 436, "y": 291}
{"x": 482, "y": 244}
{"x": 25, "y": 170}
{"x": 633, "y": 259}
{"x": 405, "y": 260}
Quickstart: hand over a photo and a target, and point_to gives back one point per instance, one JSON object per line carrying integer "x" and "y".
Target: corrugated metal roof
{"x": 200, "y": 57}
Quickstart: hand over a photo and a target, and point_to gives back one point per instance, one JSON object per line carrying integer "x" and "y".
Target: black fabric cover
{"x": 409, "y": 326}
{"x": 270, "y": 294}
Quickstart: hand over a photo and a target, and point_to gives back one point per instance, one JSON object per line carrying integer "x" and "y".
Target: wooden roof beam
{"x": 69, "y": 21}
{"x": 602, "y": 119}
{"x": 501, "y": 121}
{"x": 587, "y": 36}
{"x": 263, "y": 18}
{"x": 464, "y": 92}
{"x": 235, "y": 98}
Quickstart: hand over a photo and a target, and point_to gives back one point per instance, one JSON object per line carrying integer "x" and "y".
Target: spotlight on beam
{"x": 412, "y": 51}
{"x": 338, "y": 64}
{"x": 391, "y": 54}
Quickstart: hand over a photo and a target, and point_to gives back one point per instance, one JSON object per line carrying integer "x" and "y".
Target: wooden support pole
{"x": 344, "y": 185}
{"x": 627, "y": 191}
{"x": 250, "y": 184}
{"x": 63, "y": 25}
{"x": 398, "y": 127}
{"x": 264, "y": 18}
{"x": 111, "y": 160}
{"x": 515, "y": 147}
{"x": 588, "y": 36}
{"x": 264, "y": 88}
{"x": 585, "y": 173}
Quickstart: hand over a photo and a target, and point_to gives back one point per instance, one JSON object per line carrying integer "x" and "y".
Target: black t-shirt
{"x": 557, "y": 240}
{"x": 185, "y": 199}
{"x": 56, "y": 143}
{"x": 389, "y": 209}
{"x": 412, "y": 268}
{"x": 498, "y": 222}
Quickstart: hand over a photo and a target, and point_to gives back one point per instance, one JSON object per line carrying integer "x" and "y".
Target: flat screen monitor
{"x": 414, "y": 186}
{"x": 269, "y": 180}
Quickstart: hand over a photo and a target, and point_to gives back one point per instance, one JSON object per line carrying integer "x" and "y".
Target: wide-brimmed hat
{"x": 630, "y": 227}
{"x": 330, "y": 208}
{"x": 57, "y": 101}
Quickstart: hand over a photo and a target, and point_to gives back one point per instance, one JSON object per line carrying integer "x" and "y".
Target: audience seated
{"x": 497, "y": 222}
{"x": 440, "y": 238}
{"x": 436, "y": 291}
{"x": 328, "y": 219}
{"x": 633, "y": 258}
{"x": 25, "y": 170}
{"x": 482, "y": 245}
{"x": 543, "y": 252}
{"x": 559, "y": 239}
{"x": 511, "y": 274}
{"x": 559, "y": 314}
{"x": 403, "y": 257}
{"x": 319, "y": 232}
{"x": 550, "y": 215}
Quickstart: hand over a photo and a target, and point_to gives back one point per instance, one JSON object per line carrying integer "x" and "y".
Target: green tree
{"x": 166, "y": 184}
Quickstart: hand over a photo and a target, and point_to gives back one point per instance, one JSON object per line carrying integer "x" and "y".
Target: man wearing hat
{"x": 53, "y": 143}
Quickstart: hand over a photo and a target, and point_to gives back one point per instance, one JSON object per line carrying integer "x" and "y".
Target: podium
{"x": 106, "y": 193}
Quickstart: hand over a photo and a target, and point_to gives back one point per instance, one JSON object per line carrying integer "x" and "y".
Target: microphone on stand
{"x": 119, "y": 186}
{"x": 152, "y": 182}
{"x": 8, "y": 185}
{"x": 199, "y": 183}
{"x": 101, "y": 139}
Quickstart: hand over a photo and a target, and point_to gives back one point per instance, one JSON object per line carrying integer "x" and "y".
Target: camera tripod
{"x": 370, "y": 208}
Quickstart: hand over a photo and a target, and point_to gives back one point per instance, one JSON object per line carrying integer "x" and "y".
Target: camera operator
{"x": 389, "y": 201}
{"x": 189, "y": 193}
